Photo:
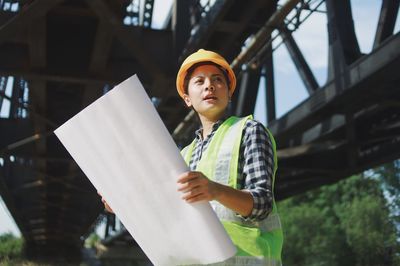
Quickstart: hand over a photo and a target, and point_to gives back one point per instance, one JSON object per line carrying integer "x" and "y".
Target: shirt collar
{"x": 215, "y": 126}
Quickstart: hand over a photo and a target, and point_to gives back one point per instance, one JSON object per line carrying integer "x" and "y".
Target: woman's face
{"x": 208, "y": 91}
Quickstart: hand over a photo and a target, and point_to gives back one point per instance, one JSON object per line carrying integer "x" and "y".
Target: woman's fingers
{"x": 106, "y": 206}
{"x": 195, "y": 186}
{"x": 200, "y": 197}
{"x": 189, "y": 180}
{"x": 192, "y": 193}
{"x": 185, "y": 177}
{"x": 190, "y": 185}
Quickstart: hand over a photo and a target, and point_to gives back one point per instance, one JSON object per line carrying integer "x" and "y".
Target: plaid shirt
{"x": 255, "y": 167}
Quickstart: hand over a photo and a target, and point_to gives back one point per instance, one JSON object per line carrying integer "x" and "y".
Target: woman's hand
{"x": 197, "y": 187}
{"x": 106, "y": 206}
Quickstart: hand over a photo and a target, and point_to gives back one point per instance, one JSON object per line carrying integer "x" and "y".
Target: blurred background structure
{"x": 58, "y": 56}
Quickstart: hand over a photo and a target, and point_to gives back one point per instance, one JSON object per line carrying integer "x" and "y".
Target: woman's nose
{"x": 209, "y": 85}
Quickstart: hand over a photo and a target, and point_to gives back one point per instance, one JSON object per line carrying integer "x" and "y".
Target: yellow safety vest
{"x": 257, "y": 243}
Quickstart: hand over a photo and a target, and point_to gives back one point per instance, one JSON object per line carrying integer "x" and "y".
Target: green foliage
{"x": 92, "y": 240}
{"x": 368, "y": 229}
{"x": 310, "y": 236}
{"x": 347, "y": 223}
{"x": 10, "y": 246}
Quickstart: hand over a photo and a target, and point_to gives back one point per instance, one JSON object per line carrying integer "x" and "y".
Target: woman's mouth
{"x": 210, "y": 98}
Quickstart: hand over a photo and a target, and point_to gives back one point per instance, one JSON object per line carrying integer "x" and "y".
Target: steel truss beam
{"x": 148, "y": 13}
{"x": 309, "y": 112}
{"x": 248, "y": 89}
{"x": 304, "y": 70}
{"x": 264, "y": 34}
{"x": 181, "y": 24}
{"x": 206, "y": 27}
{"x": 343, "y": 44}
{"x": 387, "y": 20}
{"x": 270, "y": 85}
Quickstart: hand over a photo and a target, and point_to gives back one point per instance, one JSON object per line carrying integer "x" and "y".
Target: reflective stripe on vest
{"x": 271, "y": 223}
{"x": 220, "y": 163}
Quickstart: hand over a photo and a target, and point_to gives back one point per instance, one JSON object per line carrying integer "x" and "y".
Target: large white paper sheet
{"x": 123, "y": 147}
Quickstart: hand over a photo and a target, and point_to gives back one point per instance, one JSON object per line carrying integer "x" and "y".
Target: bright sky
{"x": 289, "y": 89}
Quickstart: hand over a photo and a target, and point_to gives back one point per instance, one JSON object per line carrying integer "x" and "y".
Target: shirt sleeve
{"x": 258, "y": 167}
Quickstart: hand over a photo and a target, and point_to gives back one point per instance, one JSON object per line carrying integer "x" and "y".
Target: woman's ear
{"x": 187, "y": 100}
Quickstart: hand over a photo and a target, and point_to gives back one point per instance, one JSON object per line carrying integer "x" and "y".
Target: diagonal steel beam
{"x": 299, "y": 61}
{"x": 264, "y": 34}
{"x": 343, "y": 43}
{"x": 245, "y": 19}
{"x": 387, "y": 20}
{"x": 206, "y": 27}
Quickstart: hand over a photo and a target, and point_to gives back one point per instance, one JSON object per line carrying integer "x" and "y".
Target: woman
{"x": 232, "y": 162}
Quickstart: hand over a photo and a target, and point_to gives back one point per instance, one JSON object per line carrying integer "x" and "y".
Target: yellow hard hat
{"x": 204, "y": 56}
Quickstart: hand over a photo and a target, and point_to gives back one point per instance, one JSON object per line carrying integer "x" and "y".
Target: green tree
{"x": 310, "y": 236}
{"x": 347, "y": 223}
{"x": 10, "y": 246}
{"x": 369, "y": 232}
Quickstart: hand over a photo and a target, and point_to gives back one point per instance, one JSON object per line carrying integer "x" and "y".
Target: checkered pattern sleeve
{"x": 257, "y": 162}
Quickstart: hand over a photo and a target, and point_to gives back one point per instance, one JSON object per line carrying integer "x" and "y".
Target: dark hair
{"x": 191, "y": 69}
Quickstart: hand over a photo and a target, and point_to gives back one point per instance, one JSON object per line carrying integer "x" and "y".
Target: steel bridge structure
{"x": 58, "y": 56}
